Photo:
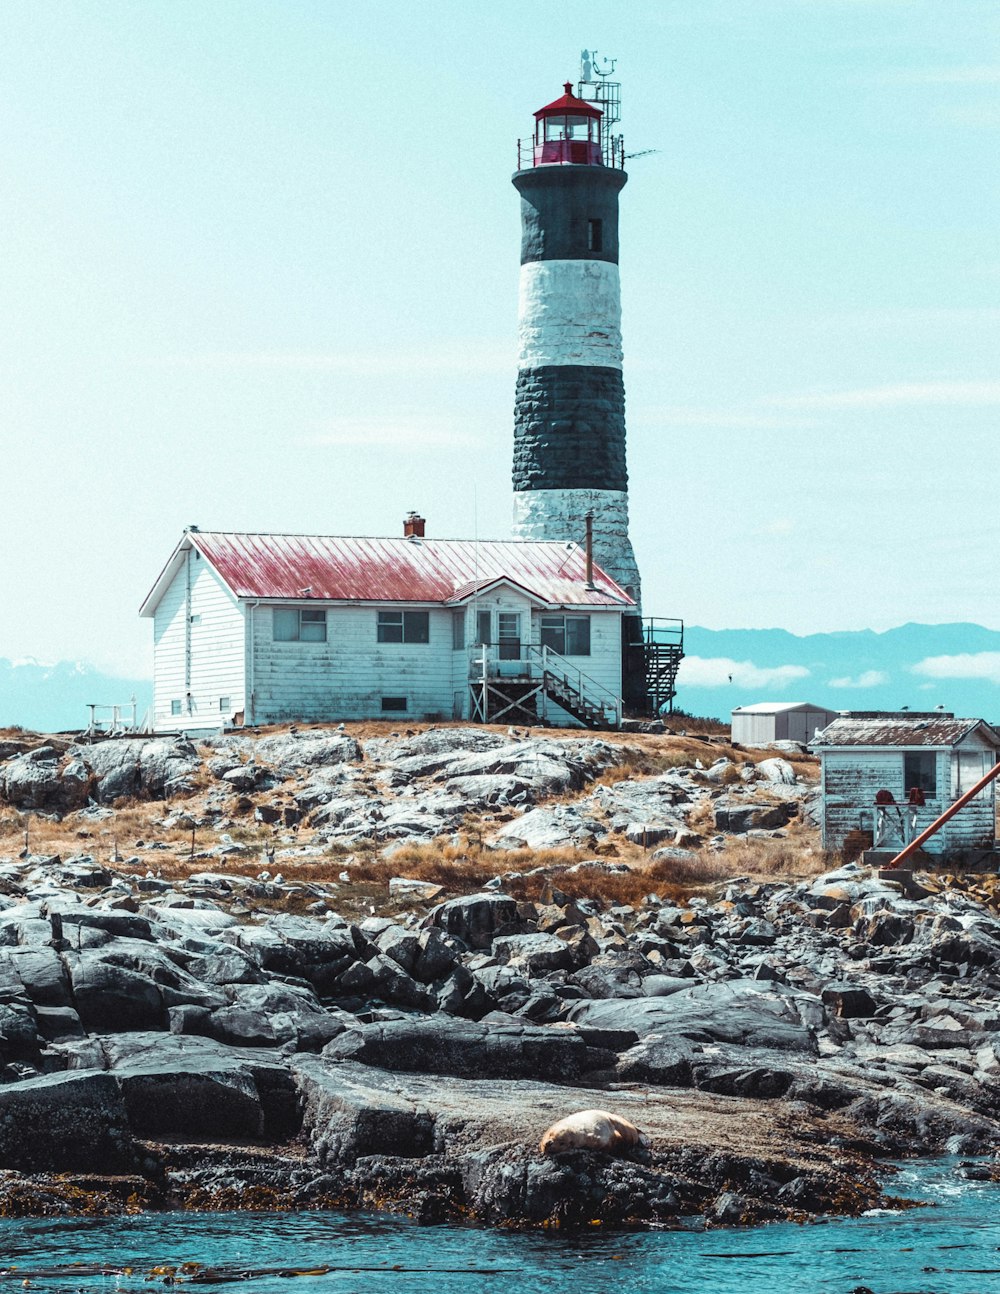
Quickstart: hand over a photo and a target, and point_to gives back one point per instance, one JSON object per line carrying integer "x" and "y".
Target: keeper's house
{"x": 888, "y": 775}
{"x": 266, "y": 628}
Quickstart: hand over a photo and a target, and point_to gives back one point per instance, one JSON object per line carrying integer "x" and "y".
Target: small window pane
{"x": 578, "y": 635}
{"x": 394, "y": 703}
{"x": 390, "y": 626}
{"x": 457, "y": 630}
{"x": 920, "y": 770}
{"x": 417, "y": 627}
{"x": 286, "y": 625}
{"x": 175, "y": 707}
{"x": 225, "y": 703}
{"x": 484, "y": 628}
{"x": 312, "y": 626}
{"x": 553, "y": 634}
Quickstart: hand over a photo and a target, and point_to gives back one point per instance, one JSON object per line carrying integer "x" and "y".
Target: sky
{"x": 258, "y": 271}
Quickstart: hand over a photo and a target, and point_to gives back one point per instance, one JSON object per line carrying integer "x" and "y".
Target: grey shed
{"x": 768, "y": 721}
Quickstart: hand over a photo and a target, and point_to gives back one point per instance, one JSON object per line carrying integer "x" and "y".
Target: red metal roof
{"x": 568, "y": 103}
{"x": 356, "y": 569}
{"x": 901, "y": 730}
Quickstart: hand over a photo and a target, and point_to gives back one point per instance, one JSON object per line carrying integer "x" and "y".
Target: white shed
{"x": 889, "y": 775}
{"x": 770, "y": 721}
{"x": 267, "y": 628}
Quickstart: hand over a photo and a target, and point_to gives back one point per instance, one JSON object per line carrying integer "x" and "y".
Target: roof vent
{"x": 413, "y": 526}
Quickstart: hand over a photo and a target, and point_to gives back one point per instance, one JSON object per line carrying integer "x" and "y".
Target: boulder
{"x": 151, "y": 768}
{"x": 463, "y": 1048}
{"x": 110, "y": 997}
{"x": 557, "y": 826}
{"x": 65, "y": 1123}
{"x": 748, "y": 1013}
{"x": 476, "y": 918}
{"x": 289, "y": 752}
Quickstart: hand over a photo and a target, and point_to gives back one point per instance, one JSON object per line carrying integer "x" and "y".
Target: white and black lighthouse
{"x": 569, "y": 414}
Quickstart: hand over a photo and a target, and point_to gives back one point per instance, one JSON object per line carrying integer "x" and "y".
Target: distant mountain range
{"x": 920, "y": 666}
{"x": 54, "y": 697}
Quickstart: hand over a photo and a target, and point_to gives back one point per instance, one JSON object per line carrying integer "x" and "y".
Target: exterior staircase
{"x": 520, "y": 693}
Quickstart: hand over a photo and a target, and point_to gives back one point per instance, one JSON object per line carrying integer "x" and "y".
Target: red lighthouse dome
{"x": 568, "y": 132}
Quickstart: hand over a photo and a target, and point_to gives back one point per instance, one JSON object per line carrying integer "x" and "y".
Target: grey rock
{"x": 462, "y": 1047}
{"x": 65, "y": 1123}
{"x": 476, "y": 918}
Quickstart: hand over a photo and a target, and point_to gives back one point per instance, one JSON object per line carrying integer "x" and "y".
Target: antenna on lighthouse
{"x": 596, "y": 87}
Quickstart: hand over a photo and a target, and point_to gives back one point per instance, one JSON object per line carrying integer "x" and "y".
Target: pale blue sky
{"x": 259, "y": 271}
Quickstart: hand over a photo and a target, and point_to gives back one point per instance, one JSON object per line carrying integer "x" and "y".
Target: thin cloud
{"x": 985, "y": 74}
{"x": 981, "y": 665}
{"x": 901, "y": 395}
{"x": 870, "y": 678}
{"x": 777, "y": 528}
{"x": 721, "y": 671}
{"x": 981, "y": 116}
{"x": 723, "y": 419}
{"x": 460, "y": 358}
{"x": 407, "y": 431}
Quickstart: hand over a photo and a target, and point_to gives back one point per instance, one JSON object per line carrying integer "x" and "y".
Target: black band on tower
{"x": 569, "y": 213}
{"x": 569, "y": 428}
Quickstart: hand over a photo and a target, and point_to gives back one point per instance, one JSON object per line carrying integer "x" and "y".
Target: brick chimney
{"x": 413, "y": 526}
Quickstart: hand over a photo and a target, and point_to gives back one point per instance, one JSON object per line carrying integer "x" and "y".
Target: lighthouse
{"x": 569, "y": 409}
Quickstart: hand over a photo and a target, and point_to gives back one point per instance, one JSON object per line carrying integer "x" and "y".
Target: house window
{"x": 458, "y": 630}
{"x": 483, "y": 624}
{"x": 920, "y": 770}
{"x": 292, "y": 625}
{"x": 595, "y": 235}
{"x": 567, "y": 635}
{"x": 509, "y": 635}
{"x": 175, "y": 707}
{"x": 393, "y": 704}
{"x": 225, "y": 704}
{"x": 404, "y": 627}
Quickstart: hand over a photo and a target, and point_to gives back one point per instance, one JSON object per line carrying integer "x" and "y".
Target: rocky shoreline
{"x": 175, "y": 1042}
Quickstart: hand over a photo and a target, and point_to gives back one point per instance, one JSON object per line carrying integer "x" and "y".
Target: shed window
{"x": 292, "y": 625}
{"x": 393, "y": 704}
{"x": 567, "y": 635}
{"x": 175, "y": 707}
{"x": 969, "y": 767}
{"x": 595, "y": 235}
{"x": 920, "y": 770}
{"x": 225, "y": 704}
{"x": 457, "y": 630}
{"x": 404, "y": 627}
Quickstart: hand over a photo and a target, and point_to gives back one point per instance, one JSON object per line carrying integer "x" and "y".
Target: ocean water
{"x": 950, "y": 1247}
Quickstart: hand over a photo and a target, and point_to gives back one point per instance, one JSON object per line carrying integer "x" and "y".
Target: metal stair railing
{"x": 593, "y": 698}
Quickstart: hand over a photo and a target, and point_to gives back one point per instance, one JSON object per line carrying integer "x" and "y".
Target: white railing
{"x": 113, "y": 720}
{"x": 898, "y": 824}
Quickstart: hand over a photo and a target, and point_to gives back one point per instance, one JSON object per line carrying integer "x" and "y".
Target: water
{"x": 953, "y": 1248}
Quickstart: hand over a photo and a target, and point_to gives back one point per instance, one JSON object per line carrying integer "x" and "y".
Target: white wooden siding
{"x": 347, "y": 676}
{"x": 852, "y": 777}
{"x": 213, "y": 666}
{"x": 974, "y": 826}
{"x": 851, "y": 780}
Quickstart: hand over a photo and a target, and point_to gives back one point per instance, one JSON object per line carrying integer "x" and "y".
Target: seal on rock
{"x": 592, "y": 1130}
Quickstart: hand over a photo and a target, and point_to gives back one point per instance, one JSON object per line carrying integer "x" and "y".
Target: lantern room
{"x": 568, "y": 132}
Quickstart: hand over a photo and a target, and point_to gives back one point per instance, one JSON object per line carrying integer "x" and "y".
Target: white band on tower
{"x": 570, "y": 313}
